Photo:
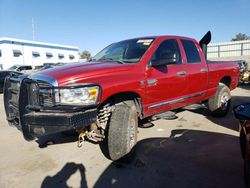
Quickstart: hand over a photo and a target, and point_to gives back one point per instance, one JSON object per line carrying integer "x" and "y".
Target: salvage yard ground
{"x": 194, "y": 150}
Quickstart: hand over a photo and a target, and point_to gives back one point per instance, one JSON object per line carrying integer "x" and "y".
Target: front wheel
{"x": 220, "y": 103}
{"x": 121, "y": 132}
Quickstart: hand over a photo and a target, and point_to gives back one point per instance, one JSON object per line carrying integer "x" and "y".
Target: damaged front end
{"x": 34, "y": 106}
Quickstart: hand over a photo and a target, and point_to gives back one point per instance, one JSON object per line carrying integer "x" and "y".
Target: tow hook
{"x": 81, "y": 138}
{"x": 89, "y": 135}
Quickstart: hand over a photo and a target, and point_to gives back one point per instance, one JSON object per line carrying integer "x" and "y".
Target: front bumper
{"x": 23, "y": 111}
{"x": 40, "y": 123}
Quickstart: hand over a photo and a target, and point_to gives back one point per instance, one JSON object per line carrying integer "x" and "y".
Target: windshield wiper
{"x": 113, "y": 60}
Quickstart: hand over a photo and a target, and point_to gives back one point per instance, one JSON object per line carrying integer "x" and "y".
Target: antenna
{"x": 33, "y": 29}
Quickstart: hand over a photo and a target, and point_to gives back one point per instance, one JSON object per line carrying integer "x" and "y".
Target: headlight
{"x": 88, "y": 95}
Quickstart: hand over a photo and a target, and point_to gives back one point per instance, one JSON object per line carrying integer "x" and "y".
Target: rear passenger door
{"x": 196, "y": 68}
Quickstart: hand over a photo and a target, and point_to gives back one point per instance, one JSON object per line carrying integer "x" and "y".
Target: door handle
{"x": 203, "y": 70}
{"x": 181, "y": 73}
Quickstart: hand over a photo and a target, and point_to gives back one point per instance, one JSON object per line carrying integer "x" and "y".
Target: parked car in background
{"x": 49, "y": 65}
{"x": 246, "y": 77}
{"x": 21, "y": 68}
{"x": 242, "y": 64}
{"x": 14, "y": 70}
{"x": 3, "y": 75}
{"x": 244, "y": 73}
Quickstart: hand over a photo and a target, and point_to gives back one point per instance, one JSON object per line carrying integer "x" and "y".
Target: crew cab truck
{"x": 129, "y": 80}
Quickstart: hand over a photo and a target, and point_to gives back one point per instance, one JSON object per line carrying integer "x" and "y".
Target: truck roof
{"x": 161, "y": 37}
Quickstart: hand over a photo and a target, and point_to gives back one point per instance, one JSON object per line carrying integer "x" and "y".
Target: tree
{"x": 240, "y": 36}
{"x": 85, "y": 55}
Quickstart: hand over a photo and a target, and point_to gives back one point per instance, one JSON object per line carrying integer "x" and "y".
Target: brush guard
{"x": 23, "y": 111}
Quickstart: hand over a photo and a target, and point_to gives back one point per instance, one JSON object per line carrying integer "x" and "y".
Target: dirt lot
{"x": 194, "y": 150}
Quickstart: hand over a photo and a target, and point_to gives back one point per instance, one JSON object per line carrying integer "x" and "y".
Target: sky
{"x": 93, "y": 24}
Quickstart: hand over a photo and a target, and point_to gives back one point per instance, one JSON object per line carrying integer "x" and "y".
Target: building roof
{"x": 6, "y": 40}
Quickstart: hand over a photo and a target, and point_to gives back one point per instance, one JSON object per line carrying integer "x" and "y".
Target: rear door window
{"x": 191, "y": 51}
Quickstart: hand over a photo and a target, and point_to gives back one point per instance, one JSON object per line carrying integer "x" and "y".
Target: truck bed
{"x": 228, "y": 69}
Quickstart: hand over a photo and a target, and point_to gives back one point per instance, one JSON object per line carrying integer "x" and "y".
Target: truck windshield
{"x": 128, "y": 51}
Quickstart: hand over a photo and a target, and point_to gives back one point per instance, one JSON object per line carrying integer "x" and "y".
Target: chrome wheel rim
{"x": 224, "y": 101}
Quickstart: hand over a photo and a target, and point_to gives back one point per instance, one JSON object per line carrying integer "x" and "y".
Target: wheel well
{"x": 119, "y": 97}
{"x": 226, "y": 80}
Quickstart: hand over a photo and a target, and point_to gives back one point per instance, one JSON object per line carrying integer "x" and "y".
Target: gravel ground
{"x": 194, "y": 150}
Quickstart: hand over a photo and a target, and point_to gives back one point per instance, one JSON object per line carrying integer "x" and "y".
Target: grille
{"x": 33, "y": 91}
{"x": 43, "y": 84}
{"x": 46, "y": 97}
{"x": 46, "y": 94}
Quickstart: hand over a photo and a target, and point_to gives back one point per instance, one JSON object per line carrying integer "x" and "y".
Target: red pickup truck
{"x": 127, "y": 81}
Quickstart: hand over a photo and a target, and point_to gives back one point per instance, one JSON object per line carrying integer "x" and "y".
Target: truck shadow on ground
{"x": 228, "y": 122}
{"x": 60, "y": 179}
{"x": 68, "y": 137}
{"x": 187, "y": 159}
{"x": 57, "y": 138}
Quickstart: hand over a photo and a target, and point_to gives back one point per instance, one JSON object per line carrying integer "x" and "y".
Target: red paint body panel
{"x": 199, "y": 83}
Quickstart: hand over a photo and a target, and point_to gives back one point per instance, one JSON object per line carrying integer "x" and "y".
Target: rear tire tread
{"x": 214, "y": 103}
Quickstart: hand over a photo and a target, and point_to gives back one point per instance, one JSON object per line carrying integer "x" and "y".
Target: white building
{"x": 24, "y": 52}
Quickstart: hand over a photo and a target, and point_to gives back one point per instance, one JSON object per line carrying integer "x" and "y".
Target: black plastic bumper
{"x": 23, "y": 111}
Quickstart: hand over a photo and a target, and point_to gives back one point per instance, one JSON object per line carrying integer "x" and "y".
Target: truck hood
{"x": 88, "y": 72}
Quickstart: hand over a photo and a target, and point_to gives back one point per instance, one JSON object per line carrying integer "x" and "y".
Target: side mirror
{"x": 166, "y": 58}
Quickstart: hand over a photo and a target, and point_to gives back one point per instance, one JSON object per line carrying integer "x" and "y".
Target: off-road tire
{"x": 220, "y": 103}
{"x": 121, "y": 132}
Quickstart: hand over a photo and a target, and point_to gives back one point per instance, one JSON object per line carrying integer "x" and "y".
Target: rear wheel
{"x": 121, "y": 132}
{"x": 220, "y": 103}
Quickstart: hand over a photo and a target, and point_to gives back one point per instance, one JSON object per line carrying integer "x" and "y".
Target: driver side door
{"x": 166, "y": 84}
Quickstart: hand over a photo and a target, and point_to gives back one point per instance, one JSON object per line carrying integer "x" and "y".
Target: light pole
{"x": 23, "y": 55}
